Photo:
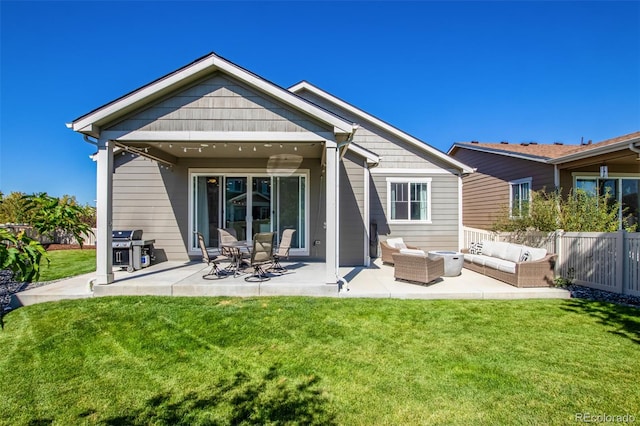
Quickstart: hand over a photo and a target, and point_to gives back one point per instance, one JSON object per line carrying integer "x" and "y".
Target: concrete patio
{"x": 301, "y": 279}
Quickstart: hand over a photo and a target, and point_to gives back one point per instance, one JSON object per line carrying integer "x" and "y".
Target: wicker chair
{"x": 387, "y": 252}
{"x": 417, "y": 269}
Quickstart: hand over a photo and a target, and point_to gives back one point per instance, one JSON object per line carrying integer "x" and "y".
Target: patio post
{"x": 331, "y": 237}
{"x": 104, "y": 261}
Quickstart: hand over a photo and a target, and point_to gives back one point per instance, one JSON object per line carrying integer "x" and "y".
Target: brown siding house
{"x": 506, "y": 174}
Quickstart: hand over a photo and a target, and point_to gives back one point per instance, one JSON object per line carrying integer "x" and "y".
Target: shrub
{"x": 578, "y": 212}
{"x": 21, "y": 254}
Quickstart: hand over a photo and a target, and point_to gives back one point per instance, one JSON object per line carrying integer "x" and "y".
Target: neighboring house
{"x": 213, "y": 145}
{"x": 507, "y": 173}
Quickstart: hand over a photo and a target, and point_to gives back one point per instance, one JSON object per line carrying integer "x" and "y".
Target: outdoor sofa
{"x": 518, "y": 265}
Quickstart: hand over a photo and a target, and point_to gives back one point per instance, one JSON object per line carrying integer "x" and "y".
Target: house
{"x": 507, "y": 173}
{"x": 214, "y": 145}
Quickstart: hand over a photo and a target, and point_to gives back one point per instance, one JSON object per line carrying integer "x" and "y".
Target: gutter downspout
{"x": 633, "y": 148}
{"x": 340, "y": 152}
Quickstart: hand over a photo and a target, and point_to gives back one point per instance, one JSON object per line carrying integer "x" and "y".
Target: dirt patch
{"x": 52, "y": 247}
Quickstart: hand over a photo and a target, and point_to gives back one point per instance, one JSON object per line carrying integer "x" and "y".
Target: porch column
{"x": 332, "y": 212}
{"x": 104, "y": 261}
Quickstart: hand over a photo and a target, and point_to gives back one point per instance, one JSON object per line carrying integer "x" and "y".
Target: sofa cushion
{"x": 394, "y": 242}
{"x": 507, "y": 266}
{"x": 492, "y": 262}
{"x": 514, "y": 253}
{"x": 474, "y": 258}
{"x": 500, "y": 249}
{"x": 413, "y": 252}
{"x": 487, "y": 248}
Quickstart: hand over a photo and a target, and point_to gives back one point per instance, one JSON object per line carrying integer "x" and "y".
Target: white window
{"x": 519, "y": 197}
{"x": 409, "y": 200}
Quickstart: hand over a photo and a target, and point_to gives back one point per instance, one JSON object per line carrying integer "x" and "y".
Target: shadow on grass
{"x": 271, "y": 399}
{"x": 623, "y": 321}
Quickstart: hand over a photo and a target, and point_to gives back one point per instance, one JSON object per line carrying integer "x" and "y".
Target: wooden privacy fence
{"x": 607, "y": 261}
{"x": 87, "y": 240}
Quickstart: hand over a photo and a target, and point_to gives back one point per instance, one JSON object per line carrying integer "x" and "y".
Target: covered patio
{"x": 175, "y": 278}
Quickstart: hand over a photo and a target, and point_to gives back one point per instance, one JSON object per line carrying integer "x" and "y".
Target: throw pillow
{"x": 476, "y": 248}
{"x": 525, "y": 256}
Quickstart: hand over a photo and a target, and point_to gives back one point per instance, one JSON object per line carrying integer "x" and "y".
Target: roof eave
{"x": 499, "y": 152}
{"x": 618, "y": 146}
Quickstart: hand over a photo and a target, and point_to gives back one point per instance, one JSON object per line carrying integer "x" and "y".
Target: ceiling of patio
{"x": 227, "y": 150}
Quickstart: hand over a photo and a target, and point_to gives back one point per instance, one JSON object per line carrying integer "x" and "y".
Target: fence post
{"x": 558, "y": 237}
{"x": 622, "y": 266}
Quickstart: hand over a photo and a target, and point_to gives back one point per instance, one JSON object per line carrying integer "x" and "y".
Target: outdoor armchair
{"x": 417, "y": 268}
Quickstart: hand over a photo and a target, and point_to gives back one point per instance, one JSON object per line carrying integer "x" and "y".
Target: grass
{"x": 153, "y": 360}
{"x": 67, "y": 263}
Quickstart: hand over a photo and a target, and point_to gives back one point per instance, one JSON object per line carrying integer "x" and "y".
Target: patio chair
{"x": 228, "y": 235}
{"x": 393, "y": 245}
{"x": 282, "y": 251}
{"x": 215, "y": 272}
{"x": 417, "y": 268}
{"x": 261, "y": 256}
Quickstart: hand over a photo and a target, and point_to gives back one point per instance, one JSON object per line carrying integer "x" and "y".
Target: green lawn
{"x": 153, "y": 360}
{"x": 67, "y": 263}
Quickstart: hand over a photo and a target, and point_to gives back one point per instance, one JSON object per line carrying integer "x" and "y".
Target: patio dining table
{"x": 236, "y": 250}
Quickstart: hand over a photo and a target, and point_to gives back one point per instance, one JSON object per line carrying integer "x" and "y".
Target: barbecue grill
{"x": 130, "y": 251}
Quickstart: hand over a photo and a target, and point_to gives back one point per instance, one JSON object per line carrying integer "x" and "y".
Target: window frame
{"x": 619, "y": 177}
{"x": 409, "y": 180}
{"x": 518, "y": 183}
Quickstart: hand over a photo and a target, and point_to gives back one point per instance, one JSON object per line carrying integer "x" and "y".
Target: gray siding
{"x": 486, "y": 192}
{"x": 351, "y": 216}
{"x": 219, "y": 103}
{"x": 145, "y": 197}
{"x": 440, "y": 234}
{"x": 394, "y": 151}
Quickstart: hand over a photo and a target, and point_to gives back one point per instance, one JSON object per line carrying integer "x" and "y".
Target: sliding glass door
{"x": 249, "y": 204}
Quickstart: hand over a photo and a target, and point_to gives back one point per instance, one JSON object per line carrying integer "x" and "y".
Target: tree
{"x": 51, "y": 215}
{"x": 13, "y": 208}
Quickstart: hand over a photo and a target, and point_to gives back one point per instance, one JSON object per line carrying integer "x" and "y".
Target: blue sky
{"x": 441, "y": 71}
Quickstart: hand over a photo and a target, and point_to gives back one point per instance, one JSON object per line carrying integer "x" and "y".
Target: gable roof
{"x": 305, "y": 85}
{"x": 549, "y": 153}
{"x": 90, "y": 123}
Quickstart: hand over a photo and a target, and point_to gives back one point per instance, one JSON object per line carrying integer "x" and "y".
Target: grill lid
{"x": 128, "y": 235}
